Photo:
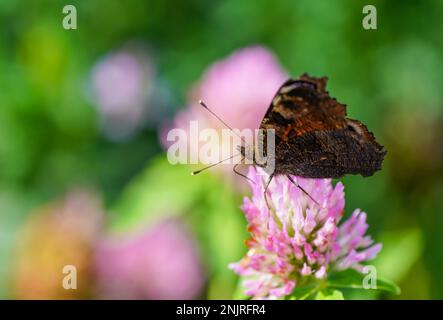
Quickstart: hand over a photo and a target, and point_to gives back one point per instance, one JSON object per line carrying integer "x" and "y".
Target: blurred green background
{"x": 65, "y": 146}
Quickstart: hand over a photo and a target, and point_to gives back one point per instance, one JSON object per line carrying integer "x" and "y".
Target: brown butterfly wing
{"x": 301, "y": 106}
{"x": 314, "y": 138}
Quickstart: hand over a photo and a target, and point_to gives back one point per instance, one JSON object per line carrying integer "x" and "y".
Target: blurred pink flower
{"x": 238, "y": 88}
{"x": 297, "y": 239}
{"x": 160, "y": 264}
{"x": 122, "y": 82}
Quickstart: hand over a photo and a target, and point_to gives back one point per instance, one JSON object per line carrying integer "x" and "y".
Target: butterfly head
{"x": 253, "y": 156}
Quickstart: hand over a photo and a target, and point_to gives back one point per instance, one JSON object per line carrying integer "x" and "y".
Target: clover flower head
{"x": 296, "y": 240}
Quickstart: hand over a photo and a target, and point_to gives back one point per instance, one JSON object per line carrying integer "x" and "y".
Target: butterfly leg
{"x": 304, "y": 191}
{"x": 266, "y": 189}
{"x": 241, "y": 174}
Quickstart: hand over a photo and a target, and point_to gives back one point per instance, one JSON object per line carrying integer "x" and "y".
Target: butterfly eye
{"x": 352, "y": 126}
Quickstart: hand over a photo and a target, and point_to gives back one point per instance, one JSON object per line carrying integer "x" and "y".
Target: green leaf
{"x": 329, "y": 294}
{"x": 351, "y": 279}
{"x": 392, "y": 262}
{"x": 316, "y": 291}
{"x": 304, "y": 293}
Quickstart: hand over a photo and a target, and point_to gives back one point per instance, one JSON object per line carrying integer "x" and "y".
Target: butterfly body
{"x": 313, "y": 136}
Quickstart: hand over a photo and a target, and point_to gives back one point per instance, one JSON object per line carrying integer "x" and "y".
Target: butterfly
{"x": 313, "y": 136}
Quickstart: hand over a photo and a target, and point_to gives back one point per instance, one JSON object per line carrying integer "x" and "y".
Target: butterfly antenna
{"x": 214, "y": 164}
{"x": 221, "y": 120}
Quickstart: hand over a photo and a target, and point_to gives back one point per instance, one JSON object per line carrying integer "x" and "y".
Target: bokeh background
{"x": 84, "y": 178}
